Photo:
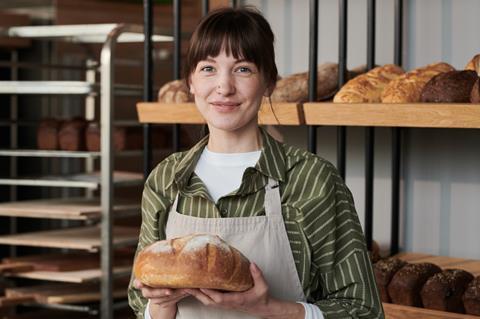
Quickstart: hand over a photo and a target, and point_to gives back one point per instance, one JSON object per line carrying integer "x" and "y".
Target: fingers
{"x": 203, "y": 298}
{"x": 259, "y": 281}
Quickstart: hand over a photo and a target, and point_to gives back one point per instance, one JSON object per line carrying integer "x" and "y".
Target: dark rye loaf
{"x": 384, "y": 270}
{"x": 471, "y": 297}
{"x": 450, "y": 87}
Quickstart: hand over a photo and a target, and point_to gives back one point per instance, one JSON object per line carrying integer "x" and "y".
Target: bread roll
{"x": 71, "y": 136}
{"x": 450, "y": 87}
{"x": 47, "y": 134}
{"x": 474, "y": 64}
{"x": 368, "y": 87}
{"x": 408, "y": 87}
{"x": 475, "y": 94}
{"x": 471, "y": 297}
{"x": 174, "y": 92}
{"x": 294, "y": 88}
{"x": 194, "y": 261}
{"x": 384, "y": 270}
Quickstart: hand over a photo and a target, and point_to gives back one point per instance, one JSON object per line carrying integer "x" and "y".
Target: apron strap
{"x": 273, "y": 202}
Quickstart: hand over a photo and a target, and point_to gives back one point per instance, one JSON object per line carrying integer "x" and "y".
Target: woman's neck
{"x": 234, "y": 142}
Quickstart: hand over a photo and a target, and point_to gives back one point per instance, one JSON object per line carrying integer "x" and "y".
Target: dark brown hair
{"x": 242, "y": 32}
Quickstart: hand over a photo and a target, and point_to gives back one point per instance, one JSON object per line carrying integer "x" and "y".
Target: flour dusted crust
{"x": 368, "y": 87}
{"x": 408, "y": 87}
{"x": 174, "y": 92}
{"x": 193, "y": 261}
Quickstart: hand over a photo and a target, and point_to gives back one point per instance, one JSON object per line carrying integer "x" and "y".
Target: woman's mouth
{"x": 225, "y": 106}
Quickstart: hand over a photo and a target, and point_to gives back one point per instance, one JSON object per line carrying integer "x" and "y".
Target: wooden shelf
{"x": 428, "y": 115}
{"x": 65, "y": 208}
{"x": 83, "y": 238}
{"x": 187, "y": 113}
{"x": 443, "y": 262}
{"x": 404, "y": 312}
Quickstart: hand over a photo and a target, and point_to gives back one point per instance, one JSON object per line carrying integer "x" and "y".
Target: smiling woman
{"x": 288, "y": 211}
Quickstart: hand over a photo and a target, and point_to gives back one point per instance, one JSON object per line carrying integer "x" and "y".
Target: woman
{"x": 288, "y": 210}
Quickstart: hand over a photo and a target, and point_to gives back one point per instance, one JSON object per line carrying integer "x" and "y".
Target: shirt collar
{"x": 271, "y": 162}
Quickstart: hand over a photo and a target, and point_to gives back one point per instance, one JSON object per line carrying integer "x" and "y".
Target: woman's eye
{"x": 207, "y": 69}
{"x": 244, "y": 69}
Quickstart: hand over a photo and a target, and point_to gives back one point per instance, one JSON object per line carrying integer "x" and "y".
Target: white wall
{"x": 441, "y": 177}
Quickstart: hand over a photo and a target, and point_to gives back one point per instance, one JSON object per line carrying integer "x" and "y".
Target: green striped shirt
{"x": 322, "y": 225}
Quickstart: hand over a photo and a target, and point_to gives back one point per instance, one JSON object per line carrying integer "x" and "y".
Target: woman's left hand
{"x": 253, "y": 301}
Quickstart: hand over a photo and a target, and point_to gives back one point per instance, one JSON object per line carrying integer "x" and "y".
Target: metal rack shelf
{"x": 63, "y": 154}
{"x": 91, "y": 181}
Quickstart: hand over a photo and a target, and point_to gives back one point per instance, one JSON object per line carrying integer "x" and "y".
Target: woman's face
{"x": 228, "y": 92}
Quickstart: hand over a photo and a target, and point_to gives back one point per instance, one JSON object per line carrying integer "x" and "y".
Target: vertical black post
{"x": 342, "y": 78}
{"x": 147, "y": 81}
{"x": 205, "y": 7}
{"x": 234, "y": 3}
{"x": 177, "y": 38}
{"x": 369, "y": 131}
{"x": 312, "y": 68}
{"x": 396, "y": 139}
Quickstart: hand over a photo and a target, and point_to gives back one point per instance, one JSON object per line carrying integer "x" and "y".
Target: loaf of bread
{"x": 71, "y": 136}
{"x": 404, "y": 288}
{"x": 194, "y": 261}
{"x": 444, "y": 290}
{"x": 294, "y": 88}
{"x": 475, "y": 94}
{"x": 474, "y": 64}
{"x": 47, "y": 134}
{"x": 374, "y": 252}
{"x": 408, "y": 87}
{"x": 471, "y": 297}
{"x": 384, "y": 270}
{"x": 124, "y": 138}
{"x": 368, "y": 87}
{"x": 174, "y": 92}
{"x": 450, "y": 87}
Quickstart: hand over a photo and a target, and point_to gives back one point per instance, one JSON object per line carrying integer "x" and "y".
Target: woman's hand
{"x": 163, "y": 301}
{"x": 255, "y": 301}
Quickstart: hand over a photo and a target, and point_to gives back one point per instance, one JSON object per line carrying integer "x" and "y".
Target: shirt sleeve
{"x": 342, "y": 283}
{"x": 311, "y": 311}
{"x": 155, "y": 205}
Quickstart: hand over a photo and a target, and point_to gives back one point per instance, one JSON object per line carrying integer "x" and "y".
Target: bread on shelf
{"x": 444, "y": 290}
{"x": 408, "y": 87}
{"x": 193, "y": 261}
{"x": 450, "y": 87}
{"x": 474, "y": 64}
{"x": 471, "y": 297}
{"x": 47, "y": 134}
{"x": 71, "y": 136}
{"x": 174, "y": 92}
{"x": 404, "y": 288}
{"x": 384, "y": 270}
{"x": 368, "y": 87}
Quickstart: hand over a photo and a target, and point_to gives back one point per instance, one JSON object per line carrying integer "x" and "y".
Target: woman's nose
{"x": 225, "y": 85}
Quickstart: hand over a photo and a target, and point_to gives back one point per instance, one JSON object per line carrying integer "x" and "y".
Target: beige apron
{"x": 262, "y": 239}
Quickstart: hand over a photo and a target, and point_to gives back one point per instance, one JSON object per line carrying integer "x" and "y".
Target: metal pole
{"x": 369, "y": 131}
{"x": 234, "y": 3}
{"x": 342, "y": 77}
{"x": 13, "y": 145}
{"x": 205, "y": 7}
{"x": 147, "y": 82}
{"x": 312, "y": 67}
{"x": 177, "y": 11}
{"x": 396, "y": 139}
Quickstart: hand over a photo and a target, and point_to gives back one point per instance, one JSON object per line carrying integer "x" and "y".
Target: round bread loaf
{"x": 193, "y": 261}
{"x": 471, "y": 297}
{"x": 384, "y": 270}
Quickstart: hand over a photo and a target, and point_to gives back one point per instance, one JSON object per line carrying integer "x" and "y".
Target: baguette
{"x": 408, "y": 87}
{"x": 193, "y": 261}
{"x": 368, "y": 87}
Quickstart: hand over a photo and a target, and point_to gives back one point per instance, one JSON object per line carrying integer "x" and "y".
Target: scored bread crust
{"x": 368, "y": 87}
{"x": 193, "y": 261}
{"x": 408, "y": 87}
{"x": 174, "y": 92}
{"x": 474, "y": 64}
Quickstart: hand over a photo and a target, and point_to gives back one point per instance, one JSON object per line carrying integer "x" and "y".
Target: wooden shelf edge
{"x": 444, "y": 262}
{"x": 187, "y": 113}
{"x": 393, "y": 311}
{"x": 426, "y": 115}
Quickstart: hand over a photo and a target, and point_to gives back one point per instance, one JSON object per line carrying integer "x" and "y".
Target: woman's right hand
{"x": 162, "y": 300}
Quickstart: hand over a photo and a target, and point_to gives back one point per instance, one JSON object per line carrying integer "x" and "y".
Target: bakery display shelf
{"x": 187, "y": 113}
{"x": 60, "y": 293}
{"x": 393, "y": 311}
{"x": 91, "y": 181}
{"x": 444, "y": 262}
{"x": 82, "y": 238}
{"x": 67, "y": 208}
{"x": 427, "y": 115}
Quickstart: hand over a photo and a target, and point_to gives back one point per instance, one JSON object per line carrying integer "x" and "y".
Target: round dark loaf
{"x": 71, "y": 136}
{"x": 450, "y": 87}
{"x": 471, "y": 297}
{"x": 47, "y": 134}
{"x": 384, "y": 270}
{"x": 194, "y": 261}
{"x": 404, "y": 288}
{"x": 444, "y": 290}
